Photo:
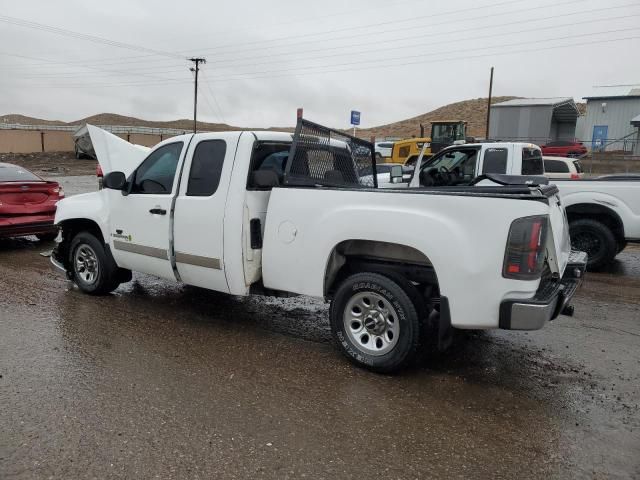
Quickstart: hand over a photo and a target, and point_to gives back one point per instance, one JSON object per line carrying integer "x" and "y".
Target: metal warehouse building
{"x": 611, "y": 112}
{"x": 536, "y": 120}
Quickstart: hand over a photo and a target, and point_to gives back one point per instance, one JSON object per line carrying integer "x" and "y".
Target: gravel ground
{"x": 165, "y": 381}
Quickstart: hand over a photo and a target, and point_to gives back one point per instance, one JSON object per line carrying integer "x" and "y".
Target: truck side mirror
{"x": 114, "y": 180}
{"x": 396, "y": 174}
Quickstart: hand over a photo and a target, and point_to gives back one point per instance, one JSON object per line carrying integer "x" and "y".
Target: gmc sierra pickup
{"x": 280, "y": 214}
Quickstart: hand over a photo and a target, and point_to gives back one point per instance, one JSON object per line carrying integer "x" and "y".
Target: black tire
{"x": 47, "y": 237}
{"x": 106, "y": 278}
{"x": 400, "y": 352}
{"x": 622, "y": 244}
{"x": 596, "y": 239}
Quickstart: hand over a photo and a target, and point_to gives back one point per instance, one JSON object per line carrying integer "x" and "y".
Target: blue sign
{"x": 355, "y": 117}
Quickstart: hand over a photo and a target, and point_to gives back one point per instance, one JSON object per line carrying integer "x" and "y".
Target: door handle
{"x": 158, "y": 211}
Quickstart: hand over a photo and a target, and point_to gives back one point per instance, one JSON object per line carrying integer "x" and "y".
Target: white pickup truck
{"x": 272, "y": 213}
{"x": 603, "y": 213}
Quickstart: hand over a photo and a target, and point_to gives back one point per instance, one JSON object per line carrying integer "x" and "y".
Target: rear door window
{"x": 532, "y": 161}
{"x": 555, "y": 166}
{"x": 495, "y": 160}
{"x": 206, "y": 168}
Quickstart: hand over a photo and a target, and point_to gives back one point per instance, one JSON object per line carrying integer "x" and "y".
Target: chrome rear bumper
{"x": 552, "y": 298}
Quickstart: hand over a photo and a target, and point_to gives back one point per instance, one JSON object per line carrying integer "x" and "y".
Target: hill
{"x": 473, "y": 111}
{"x": 24, "y": 120}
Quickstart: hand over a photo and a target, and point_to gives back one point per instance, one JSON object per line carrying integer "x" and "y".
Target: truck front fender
{"x": 87, "y": 207}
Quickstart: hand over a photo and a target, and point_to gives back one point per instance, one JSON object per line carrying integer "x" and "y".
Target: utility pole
{"x": 197, "y": 61}
{"x": 486, "y": 135}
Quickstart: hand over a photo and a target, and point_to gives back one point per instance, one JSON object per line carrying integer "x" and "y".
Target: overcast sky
{"x": 390, "y": 59}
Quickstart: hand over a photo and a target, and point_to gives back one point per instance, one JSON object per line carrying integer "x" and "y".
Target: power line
{"x": 618, "y": 85}
{"x": 230, "y": 61}
{"x": 87, "y": 66}
{"x": 416, "y": 45}
{"x": 427, "y": 60}
{"x": 362, "y": 68}
{"x": 83, "y": 36}
{"x": 215, "y": 100}
{"x": 404, "y": 57}
{"x": 50, "y": 63}
{"x": 456, "y": 40}
{"x": 262, "y": 44}
{"x": 315, "y": 18}
{"x": 52, "y": 29}
{"x": 379, "y": 24}
{"x": 413, "y": 18}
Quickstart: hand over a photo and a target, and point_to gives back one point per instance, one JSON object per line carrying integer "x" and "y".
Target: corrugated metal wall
{"x": 521, "y": 123}
{"x": 617, "y": 116}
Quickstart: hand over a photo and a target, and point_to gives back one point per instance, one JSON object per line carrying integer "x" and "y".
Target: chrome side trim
{"x": 198, "y": 261}
{"x": 141, "y": 249}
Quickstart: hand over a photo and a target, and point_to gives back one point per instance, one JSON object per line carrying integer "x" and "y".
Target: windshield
{"x": 447, "y": 133}
{"x": 463, "y": 159}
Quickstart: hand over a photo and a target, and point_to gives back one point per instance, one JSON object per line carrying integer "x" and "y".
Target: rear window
{"x": 13, "y": 173}
{"x": 555, "y": 166}
{"x": 532, "y": 161}
{"x": 495, "y": 161}
{"x": 269, "y": 156}
{"x": 578, "y": 165}
{"x": 206, "y": 168}
{"x": 385, "y": 145}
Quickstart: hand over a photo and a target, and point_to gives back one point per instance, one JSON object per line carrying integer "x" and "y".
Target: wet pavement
{"x": 165, "y": 381}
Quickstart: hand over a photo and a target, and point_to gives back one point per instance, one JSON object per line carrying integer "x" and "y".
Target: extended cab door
{"x": 139, "y": 220}
{"x": 199, "y": 216}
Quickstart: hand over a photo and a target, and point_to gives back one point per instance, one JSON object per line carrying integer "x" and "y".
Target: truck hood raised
{"x": 115, "y": 154}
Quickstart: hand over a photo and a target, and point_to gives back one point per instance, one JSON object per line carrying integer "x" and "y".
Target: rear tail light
{"x": 57, "y": 190}
{"x": 575, "y": 176}
{"x": 99, "y": 171}
{"x": 524, "y": 256}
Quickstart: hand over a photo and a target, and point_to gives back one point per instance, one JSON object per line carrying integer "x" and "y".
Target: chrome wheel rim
{"x": 371, "y": 323}
{"x": 86, "y": 263}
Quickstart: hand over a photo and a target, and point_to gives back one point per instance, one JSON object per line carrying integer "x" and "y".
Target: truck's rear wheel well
{"x": 353, "y": 256}
{"x": 599, "y": 213}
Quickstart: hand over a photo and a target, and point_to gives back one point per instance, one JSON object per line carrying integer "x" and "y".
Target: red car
{"x": 562, "y": 148}
{"x": 27, "y": 203}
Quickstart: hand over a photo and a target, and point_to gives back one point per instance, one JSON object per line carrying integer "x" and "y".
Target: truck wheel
{"x": 622, "y": 244}
{"x": 596, "y": 239}
{"x": 374, "y": 322}
{"x": 93, "y": 271}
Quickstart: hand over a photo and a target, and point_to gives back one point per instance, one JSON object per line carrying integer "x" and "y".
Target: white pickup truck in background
{"x": 269, "y": 213}
{"x": 603, "y": 213}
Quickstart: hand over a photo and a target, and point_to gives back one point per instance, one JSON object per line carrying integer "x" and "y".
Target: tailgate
{"x": 558, "y": 240}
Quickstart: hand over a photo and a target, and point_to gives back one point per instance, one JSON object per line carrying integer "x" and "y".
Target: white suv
{"x": 561, "y": 167}
{"x": 383, "y": 149}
